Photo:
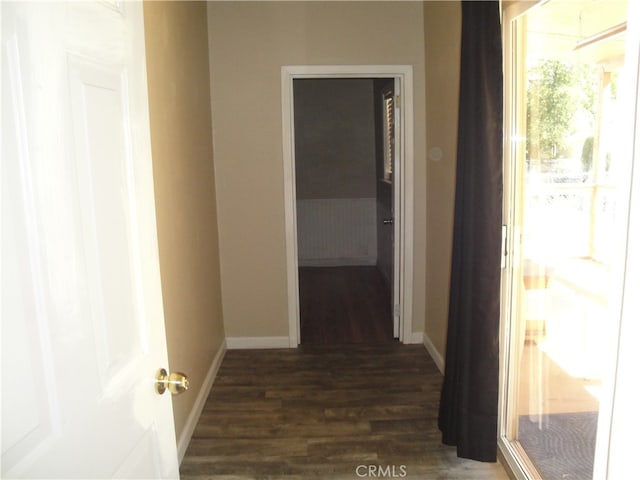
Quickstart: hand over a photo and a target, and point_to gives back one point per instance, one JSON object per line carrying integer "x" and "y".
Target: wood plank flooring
{"x": 341, "y": 305}
{"x": 326, "y": 412}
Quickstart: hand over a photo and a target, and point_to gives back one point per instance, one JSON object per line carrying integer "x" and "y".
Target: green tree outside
{"x": 558, "y": 94}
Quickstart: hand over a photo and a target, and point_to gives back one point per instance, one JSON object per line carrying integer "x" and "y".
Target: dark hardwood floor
{"x": 341, "y": 305}
{"x": 326, "y": 412}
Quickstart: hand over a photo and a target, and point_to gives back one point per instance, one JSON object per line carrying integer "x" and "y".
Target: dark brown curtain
{"x": 469, "y": 397}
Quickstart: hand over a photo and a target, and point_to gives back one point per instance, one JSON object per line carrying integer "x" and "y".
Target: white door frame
{"x": 403, "y": 184}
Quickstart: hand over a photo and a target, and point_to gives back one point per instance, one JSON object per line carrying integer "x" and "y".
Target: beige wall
{"x": 249, "y": 42}
{"x": 442, "y": 24}
{"x": 178, "y": 78}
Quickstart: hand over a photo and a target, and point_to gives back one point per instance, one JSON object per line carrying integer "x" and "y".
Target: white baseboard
{"x": 433, "y": 352}
{"x": 257, "y": 342}
{"x": 338, "y": 262}
{"x": 201, "y": 399}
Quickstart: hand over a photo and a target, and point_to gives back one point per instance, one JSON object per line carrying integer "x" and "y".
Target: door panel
{"x": 567, "y": 192}
{"x": 82, "y": 320}
{"x": 103, "y": 183}
{"x": 386, "y": 171}
{"x": 397, "y": 202}
{"x": 25, "y": 365}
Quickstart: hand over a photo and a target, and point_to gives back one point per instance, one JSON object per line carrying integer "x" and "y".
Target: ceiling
{"x": 555, "y": 27}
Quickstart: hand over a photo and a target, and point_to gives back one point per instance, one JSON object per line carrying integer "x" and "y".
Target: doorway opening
{"x": 344, "y": 157}
{"x": 348, "y": 191}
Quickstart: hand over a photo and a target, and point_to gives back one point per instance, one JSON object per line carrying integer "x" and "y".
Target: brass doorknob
{"x": 175, "y": 382}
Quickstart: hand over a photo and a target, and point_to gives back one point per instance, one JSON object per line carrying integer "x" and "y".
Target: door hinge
{"x": 503, "y": 257}
{"x": 397, "y": 100}
{"x": 396, "y": 310}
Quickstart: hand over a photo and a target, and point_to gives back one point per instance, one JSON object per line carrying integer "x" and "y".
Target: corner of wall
{"x": 442, "y": 36}
{"x": 433, "y": 353}
{"x": 185, "y": 198}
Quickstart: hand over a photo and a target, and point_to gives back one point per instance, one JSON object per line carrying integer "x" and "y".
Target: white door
{"x": 391, "y": 198}
{"x": 82, "y": 321}
{"x": 397, "y": 202}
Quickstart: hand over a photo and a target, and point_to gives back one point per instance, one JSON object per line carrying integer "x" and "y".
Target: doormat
{"x": 560, "y": 445}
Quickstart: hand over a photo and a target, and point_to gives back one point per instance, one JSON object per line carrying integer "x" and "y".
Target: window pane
{"x": 570, "y": 56}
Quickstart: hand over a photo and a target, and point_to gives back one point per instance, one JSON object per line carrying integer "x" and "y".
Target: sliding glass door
{"x": 567, "y": 173}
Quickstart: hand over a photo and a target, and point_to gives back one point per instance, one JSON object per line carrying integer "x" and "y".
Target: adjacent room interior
{"x": 344, "y": 205}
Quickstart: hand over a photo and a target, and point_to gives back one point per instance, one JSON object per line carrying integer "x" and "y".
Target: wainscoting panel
{"x": 336, "y": 232}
